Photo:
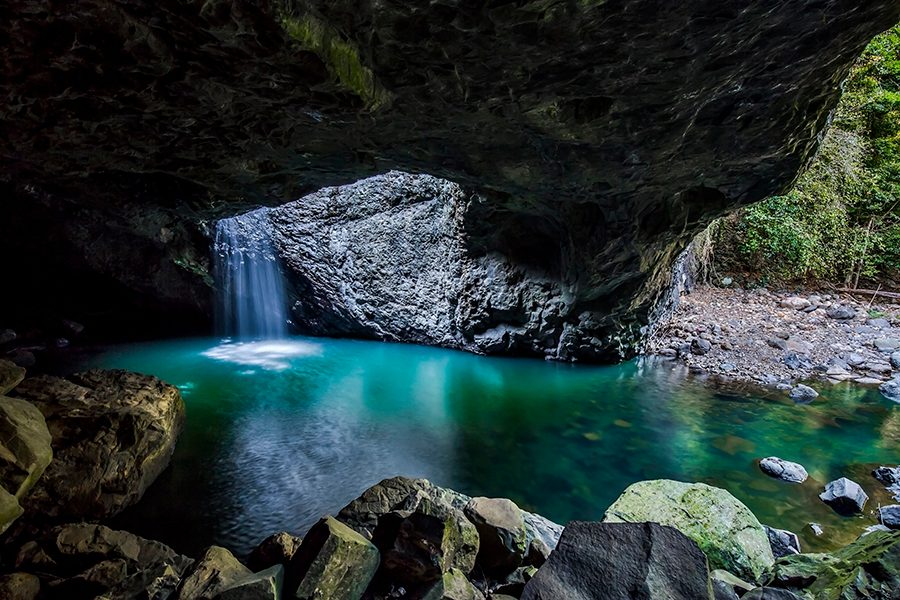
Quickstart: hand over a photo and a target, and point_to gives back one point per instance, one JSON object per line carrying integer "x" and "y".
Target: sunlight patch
{"x": 272, "y": 355}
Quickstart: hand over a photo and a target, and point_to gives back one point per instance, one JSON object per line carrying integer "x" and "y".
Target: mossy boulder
{"x": 265, "y": 585}
{"x": 333, "y": 563}
{"x": 453, "y": 585}
{"x": 730, "y": 535}
{"x": 10, "y": 510}
{"x": 217, "y": 571}
{"x": 869, "y": 569}
{"x": 11, "y": 375}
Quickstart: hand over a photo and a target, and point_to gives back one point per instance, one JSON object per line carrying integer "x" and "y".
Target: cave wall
{"x": 600, "y": 136}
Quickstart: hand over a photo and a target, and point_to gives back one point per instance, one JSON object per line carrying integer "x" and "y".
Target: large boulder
{"x": 333, "y": 563}
{"x": 113, "y": 433}
{"x": 867, "y": 569}
{"x": 502, "y": 534}
{"x": 722, "y": 526}
{"x": 216, "y": 571}
{"x": 24, "y": 454}
{"x": 622, "y": 561}
{"x": 19, "y": 586}
{"x": 264, "y": 585}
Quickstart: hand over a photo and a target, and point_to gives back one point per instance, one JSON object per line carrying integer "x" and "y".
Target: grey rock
{"x": 879, "y": 323}
{"x": 501, "y": 531}
{"x": 845, "y": 496}
{"x": 895, "y": 360}
{"x": 777, "y": 343}
{"x": 890, "y": 516}
{"x": 615, "y": 561}
{"x": 873, "y": 529}
{"x": 768, "y": 593}
{"x": 795, "y": 302}
{"x": 783, "y": 542}
{"x": 891, "y": 389}
{"x": 796, "y": 361}
{"x": 886, "y": 344}
{"x": 856, "y": 360}
{"x": 723, "y": 591}
{"x": 889, "y": 476}
{"x": 803, "y": 393}
{"x": 816, "y": 529}
{"x": 783, "y": 469}
{"x": 840, "y": 312}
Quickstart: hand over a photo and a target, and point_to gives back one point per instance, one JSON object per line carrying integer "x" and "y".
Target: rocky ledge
{"x": 407, "y": 538}
{"x": 779, "y": 339}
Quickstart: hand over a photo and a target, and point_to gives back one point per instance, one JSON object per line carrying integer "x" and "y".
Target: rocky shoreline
{"x": 75, "y": 451}
{"x": 780, "y": 339}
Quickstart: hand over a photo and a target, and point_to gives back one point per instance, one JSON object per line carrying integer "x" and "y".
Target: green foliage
{"x": 841, "y": 221}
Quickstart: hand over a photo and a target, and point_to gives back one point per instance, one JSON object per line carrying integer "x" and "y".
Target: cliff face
{"x": 599, "y": 136}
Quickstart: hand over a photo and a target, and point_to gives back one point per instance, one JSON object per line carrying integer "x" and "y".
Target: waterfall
{"x": 252, "y": 303}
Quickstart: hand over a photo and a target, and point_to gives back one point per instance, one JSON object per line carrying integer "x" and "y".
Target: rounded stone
{"x": 784, "y": 470}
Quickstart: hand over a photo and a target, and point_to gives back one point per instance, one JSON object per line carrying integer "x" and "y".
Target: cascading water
{"x": 252, "y": 303}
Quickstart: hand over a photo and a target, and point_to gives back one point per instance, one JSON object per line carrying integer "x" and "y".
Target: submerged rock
{"x": 783, "y": 469}
{"x": 615, "y": 561}
{"x": 725, "y": 529}
{"x": 113, "y": 433}
{"x": 845, "y": 496}
{"x": 332, "y": 562}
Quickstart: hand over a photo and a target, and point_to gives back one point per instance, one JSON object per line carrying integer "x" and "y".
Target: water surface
{"x": 280, "y": 433}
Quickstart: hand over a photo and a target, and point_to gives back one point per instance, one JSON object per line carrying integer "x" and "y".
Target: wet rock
{"x": 19, "y": 586}
{"x": 453, "y": 585}
{"x": 840, "y": 312}
{"x": 891, "y": 389}
{"x": 113, "y": 433}
{"x": 783, "y": 542}
{"x": 868, "y": 568}
{"x": 265, "y": 585}
{"x": 216, "y": 571}
{"x": 890, "y": 516}
{"x": 501, "y": 530}
{"x": 783, "y": 469}
{"x": 846, "y": 497}
{"x": 725, "y": 529}
{"x": 277, "y": 549}
{"x": 11, "y": 375}
{"x": 699, "y": 346}
{"x": 332, "y": 562}
{"x": 638, "y": 561}
{"x": 803, "y": 393}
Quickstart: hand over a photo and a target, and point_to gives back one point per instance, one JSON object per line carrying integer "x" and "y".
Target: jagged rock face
{"x": 602, "y": 135}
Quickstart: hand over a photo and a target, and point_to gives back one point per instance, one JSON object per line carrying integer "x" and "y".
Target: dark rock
{"x": 792, "y": 360}
{"x": 723, "y": 591}
{"x": 846, "y": 497}
{"x": 7, "y": 336}
{"x": 113, "y": 434}
{"x": 87, "y": 560}
{"x": 24, "y": 445}
{"x": 23, "y": 358}
{"x": 890, "y": 516}
{"x": 453, "y": 585}
{"x": 803, "y": 393}
{"x": 700, "y": 346}
{"x": 216, "y": 571}
{"x": 840, "y": 312}
{"x": 332, "y": 562}
{"x": 19, "y": 586}
{"x": 265, "y": 585}
{"x": 11, "y": 375}
{"x": 515, "y": 582}
{"x": 568, "y": 136}
{"x": 727, "y": 582}
{"x": 889, "y": 476}
{"x": 501, "y": 531}
{"x": 868, "y": 568}
{"x": 277, "y": 549}
{"x": 768, "y": 593}
{"x": 891, "y": 389}
{"x": 777, "y": 343}
{"x": 783, "y": 469}
{"x": 633, "y": 561}
{"x": 783, "y": 542}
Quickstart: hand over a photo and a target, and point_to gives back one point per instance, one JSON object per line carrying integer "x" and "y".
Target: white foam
{"x": 271, "y": 355}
